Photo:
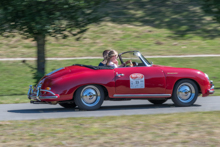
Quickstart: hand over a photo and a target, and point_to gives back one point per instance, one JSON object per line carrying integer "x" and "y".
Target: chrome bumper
{"x": 36, "y": 94}
{"x": 211, "y": 90}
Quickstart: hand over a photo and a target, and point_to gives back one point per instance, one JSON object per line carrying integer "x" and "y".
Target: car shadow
{"x": 102, "y": 108}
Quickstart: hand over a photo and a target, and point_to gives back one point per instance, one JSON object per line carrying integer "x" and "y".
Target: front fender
{"x": 173, "y": 76}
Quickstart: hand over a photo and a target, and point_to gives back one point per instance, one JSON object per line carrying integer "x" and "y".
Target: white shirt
{"x": 112, "y": 64}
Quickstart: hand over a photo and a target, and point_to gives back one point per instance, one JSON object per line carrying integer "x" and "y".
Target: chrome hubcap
{"x": 90, "y": 95}
{"x": 185, "y": 92}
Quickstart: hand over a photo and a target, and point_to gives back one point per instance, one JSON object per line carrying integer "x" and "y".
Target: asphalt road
{"x": 28, "y": 111}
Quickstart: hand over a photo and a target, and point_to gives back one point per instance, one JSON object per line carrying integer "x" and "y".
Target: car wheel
{"x": 68, "y": 105}
{"x": 185, "y": 93}
{"x": 89, "y": 97}
{"x": 157, "y": 102}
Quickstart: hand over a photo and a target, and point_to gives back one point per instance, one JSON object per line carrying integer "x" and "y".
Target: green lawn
{"x": 154, "y": 27}
{"x": 16, "y": 76}
{"x": 162, "y": 130}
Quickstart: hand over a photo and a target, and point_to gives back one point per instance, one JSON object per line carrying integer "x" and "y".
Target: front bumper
{"x": 36, "y": 94}
{"x": 211, "y": 90}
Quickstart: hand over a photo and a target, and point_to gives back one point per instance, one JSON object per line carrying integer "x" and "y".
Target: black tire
{"x": 157, "y": 102}
{"x": 89, "y": 97}
{"x": 68, "y": 105}
{"x": 185, "y": 93}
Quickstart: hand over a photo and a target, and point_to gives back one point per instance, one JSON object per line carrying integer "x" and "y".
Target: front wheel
{"x": 89, "y": 97}
{"x": 185, "y": 93}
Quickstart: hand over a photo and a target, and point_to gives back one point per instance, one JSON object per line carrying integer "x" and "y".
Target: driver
{"x": 112, "y": 60}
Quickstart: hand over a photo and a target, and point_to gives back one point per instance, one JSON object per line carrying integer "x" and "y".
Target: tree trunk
{"x": 40, "y": 39}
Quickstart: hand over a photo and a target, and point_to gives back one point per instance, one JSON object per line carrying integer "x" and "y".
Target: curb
{"x": 76, "y": 58}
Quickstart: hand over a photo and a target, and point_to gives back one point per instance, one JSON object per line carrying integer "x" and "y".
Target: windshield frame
{"x": 141, "y": 57}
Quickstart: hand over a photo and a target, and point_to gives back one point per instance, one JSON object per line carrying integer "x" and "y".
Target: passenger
{"x": 112, "y": 60}
{"x": 105, "y": 55}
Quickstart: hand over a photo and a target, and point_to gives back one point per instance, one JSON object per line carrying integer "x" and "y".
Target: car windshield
{"x": 136, "y": 57}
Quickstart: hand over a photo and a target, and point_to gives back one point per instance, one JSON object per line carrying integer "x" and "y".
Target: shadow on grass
{"x": 102, "y": 108}
{"x": 36, "y": 75}
{"x": 182, "y": 17}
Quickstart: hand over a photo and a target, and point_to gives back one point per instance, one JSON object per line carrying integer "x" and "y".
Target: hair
{"x": 105, "y": 55}
{"x": 111, "y": 54}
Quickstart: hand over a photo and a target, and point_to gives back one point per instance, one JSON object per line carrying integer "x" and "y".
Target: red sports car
{"x": 88, "y": 86}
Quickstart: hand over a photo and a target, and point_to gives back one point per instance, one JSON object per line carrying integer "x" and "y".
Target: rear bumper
{"x": 36, "y": 94}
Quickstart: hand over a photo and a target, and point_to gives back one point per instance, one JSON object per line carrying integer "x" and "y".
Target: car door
{"x": 139, "y": 80}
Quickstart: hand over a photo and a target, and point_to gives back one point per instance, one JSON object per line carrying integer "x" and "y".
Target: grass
{"x": 152, "y": 27}
{"x": 16, "y": 76}
{"x": 185, "y": 129}
{"x": 148, "y": 40}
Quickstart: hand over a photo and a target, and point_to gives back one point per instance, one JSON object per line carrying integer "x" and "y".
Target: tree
{"x": 212, "y": 7}
{"x": 41, "y": 18}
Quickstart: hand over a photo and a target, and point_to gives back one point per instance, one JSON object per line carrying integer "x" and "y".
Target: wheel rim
{"x": 90, "y": 96}
{"x": 186, "y": 92}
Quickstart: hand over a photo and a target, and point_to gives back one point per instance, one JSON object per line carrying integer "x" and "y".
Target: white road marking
{"x": 74, "y": 58}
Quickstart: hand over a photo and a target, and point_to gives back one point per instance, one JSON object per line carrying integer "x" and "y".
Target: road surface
{"x": 28, "y": 111}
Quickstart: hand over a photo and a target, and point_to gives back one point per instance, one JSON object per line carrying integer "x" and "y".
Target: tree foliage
{"x": 48, "y": 17}
{"x": 40, "y": 18}
{"x": 212, "y": 7}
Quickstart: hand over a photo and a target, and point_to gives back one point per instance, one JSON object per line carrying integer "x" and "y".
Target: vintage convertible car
{"x": 88, "y": 86}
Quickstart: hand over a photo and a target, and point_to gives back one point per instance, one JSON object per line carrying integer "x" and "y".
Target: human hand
{"x": 115, "y": 62}
{"x": 129, "y": 61}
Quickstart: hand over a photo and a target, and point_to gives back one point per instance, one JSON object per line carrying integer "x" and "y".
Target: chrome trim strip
{"x": 48, "y": 91}
{"x": 44, "y": 97}
{"x": 142, "y": 95}
{"x": 36, "y": 102}
{"x": 54, "y": 71}
{"x": 143, "y": 60}
{"x": 48, "y": 97}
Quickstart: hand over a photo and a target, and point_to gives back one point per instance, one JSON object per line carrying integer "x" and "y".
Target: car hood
{"x": 178, "y": 70}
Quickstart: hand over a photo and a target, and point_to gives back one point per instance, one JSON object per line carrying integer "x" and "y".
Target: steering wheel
{"x": 135, "y": 63}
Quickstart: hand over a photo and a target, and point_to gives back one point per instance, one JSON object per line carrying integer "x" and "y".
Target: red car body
{"x": 154, "y": 82}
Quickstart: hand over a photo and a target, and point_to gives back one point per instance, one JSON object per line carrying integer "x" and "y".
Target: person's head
{"x": 112, "y": 55}
{"x": 105, "y": 53}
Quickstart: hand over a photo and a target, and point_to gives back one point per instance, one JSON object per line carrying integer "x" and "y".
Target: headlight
{"x": 207, "y": 76}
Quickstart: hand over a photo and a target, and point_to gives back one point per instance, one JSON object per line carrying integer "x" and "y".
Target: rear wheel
{"x": 157, "y": 102}
{"x": 68, "y": 105}
{"x": 185, "y": 93}
{"x": 89, "y": 97}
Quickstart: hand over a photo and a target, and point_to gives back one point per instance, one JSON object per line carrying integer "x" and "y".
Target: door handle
{"x": 119, "y": 75}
